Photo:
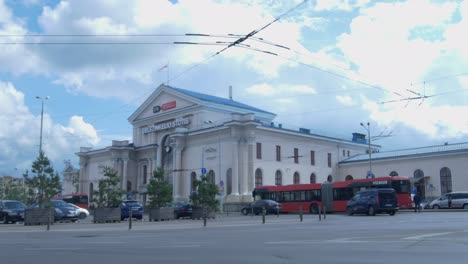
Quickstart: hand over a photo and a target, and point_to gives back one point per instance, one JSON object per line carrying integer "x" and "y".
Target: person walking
{"x": 417, "y": 202}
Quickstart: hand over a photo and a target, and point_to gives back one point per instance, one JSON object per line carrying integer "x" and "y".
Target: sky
{"x": 323, "y": 65}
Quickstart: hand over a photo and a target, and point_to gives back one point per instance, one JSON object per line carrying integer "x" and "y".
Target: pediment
{"x": 161, "y": 102}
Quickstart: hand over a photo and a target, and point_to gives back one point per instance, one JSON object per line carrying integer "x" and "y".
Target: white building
{"x": 236, "y": 145}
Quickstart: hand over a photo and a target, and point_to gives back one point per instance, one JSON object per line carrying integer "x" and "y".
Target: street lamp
{"x": 42, "y": 118}
{"x": 370, "y": 175}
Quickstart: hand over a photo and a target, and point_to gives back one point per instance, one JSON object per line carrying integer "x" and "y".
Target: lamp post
{"x": 370, "y": 175}
{"x": 42, "y": 118}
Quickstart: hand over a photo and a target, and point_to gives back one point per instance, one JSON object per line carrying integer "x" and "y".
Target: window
{"x": 330, "y": 178}
{"x": 278, "y": 178}
{"x": 393, "y": 173}
{"x": 348, "y": 153}
{"x": 297, "y": 178}
{"x": 296, "y": 155}
{"x": 258, "y": 178}
{"x": 145, "y": 174}
{"x": 418, "y": 174}
{"x": 259, "y": 150}
{"x": 329, "y": 160}
{"x": 313, "y": 178}
{"x": 445, "y": 180}
{"x": 211, "y": 177}
{"x": 278, "y": 153}
{"x": 349, "y": 178}
{"x": 129, "y": 186}
{"x": 312, "y": 158}
{"x": 193, "y": 177}
{"x": 344, "y": 153}
{"x": 229, "y": 181}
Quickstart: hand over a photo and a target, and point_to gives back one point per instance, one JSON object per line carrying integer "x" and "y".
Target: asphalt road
{"x": 428, "y": 237}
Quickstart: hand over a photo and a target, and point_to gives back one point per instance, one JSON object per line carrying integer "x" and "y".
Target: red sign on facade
{"x": 168, "y": 105}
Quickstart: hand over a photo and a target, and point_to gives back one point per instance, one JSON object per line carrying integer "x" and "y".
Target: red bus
{"x": 78, "y": 199}
{"x": 331, "y": 196}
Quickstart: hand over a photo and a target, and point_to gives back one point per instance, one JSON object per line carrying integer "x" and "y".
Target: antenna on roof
{"x": 230, "y": 92}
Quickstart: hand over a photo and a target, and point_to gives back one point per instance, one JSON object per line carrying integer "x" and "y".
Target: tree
{"x": 205, "y": 194}
{"x": 13, "y": 189}
{"x": 159, "y": 189}
{"x": 109, "y": 194}
{"x": 44, "y": 184}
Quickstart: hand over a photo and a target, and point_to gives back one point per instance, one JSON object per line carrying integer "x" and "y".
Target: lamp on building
{"x": 42, "y": 118}
{"x": 367, "y": 128}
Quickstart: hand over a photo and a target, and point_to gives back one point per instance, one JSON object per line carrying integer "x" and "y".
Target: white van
{"x": 451, "y": 200}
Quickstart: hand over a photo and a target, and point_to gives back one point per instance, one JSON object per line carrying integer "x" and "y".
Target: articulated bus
{"x": 332, "y": 197}
{"x": 77, "y": 199}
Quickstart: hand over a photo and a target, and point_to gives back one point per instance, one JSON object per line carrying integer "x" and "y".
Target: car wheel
{"x": 371, "y": 211}
{"x": 5, "y": 219}
{"x": 391, "y": 213}
{"x": 314, "y": 209}
{"x": 244, "y": 211}
{"x": 349, "y": 211}
{"x": 465, "y": 206}
{"x": 82, "y": 215}
{"x": 436, "y": 207}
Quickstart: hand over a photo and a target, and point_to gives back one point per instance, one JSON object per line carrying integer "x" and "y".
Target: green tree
{"x": 14, "y": 189}
{"x": 44, "y": 183}
{"x": 205, "y": 194}
{"x": 159, "y": 189}
{"x": 109, "y": 193}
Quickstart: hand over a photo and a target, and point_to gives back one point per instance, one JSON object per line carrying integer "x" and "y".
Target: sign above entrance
{"x": 172, "y": 124}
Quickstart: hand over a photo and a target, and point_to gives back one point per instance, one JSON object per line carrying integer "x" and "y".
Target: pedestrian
{"x": 417, "y": 202}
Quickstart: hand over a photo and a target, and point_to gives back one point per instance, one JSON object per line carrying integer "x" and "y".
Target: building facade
{"x": 237, "y": 146}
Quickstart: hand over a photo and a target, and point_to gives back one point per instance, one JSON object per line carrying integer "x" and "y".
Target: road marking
{"x": 427, "y": 235}
{"x": 54, "y": 248}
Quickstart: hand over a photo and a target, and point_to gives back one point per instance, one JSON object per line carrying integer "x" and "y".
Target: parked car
{"x": 457, "y": 200}
{"x": 68, "y": 210}
{"x": 373, "y": 201}
{"x": 135, "y": 206}
{"x": 11, "y": 211}
{"x": 82, "y": 212}
{"x": 271, "y": 207}
{"x": 182, "y": 209}
{"x": 58, "y": 214}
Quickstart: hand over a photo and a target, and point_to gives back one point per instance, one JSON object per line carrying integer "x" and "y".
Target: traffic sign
{"x": 203, "y": 170}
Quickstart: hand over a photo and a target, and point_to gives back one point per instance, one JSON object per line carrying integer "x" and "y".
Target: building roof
{"x": 218, "y": 100}
{"x": 412, "y": 152}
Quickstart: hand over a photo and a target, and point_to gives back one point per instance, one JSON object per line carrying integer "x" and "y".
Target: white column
{"x": 243, "y": 167}
{"x": 84, "y": 178}
{"x": 124, "y": 175}
{"x": 235, "y": 168}
{"x": 177, "y": 173}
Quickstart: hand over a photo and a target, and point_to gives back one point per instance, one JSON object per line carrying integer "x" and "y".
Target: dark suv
{"x": 134, "y": 206}
{"x": 256, "y": 207}
{"x": 11, "y": 211}
{"x": 373, "y": 201}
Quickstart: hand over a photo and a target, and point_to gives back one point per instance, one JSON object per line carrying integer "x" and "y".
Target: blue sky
{"x": 347, "y": 62}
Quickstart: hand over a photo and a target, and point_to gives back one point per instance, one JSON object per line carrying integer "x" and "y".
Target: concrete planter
{"x": 197, "y": 213}
{"x": 107, "y": 215}
{"x": 161, "y": 214}
{"x": 38, "y": 216}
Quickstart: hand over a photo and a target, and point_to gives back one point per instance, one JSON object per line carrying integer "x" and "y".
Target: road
{"x": 428, "y": 237}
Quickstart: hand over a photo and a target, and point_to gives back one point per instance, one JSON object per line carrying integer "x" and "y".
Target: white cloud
{"x": 345, "y": 100}
{"x": 19, "y": 137}
{"x": 345, "y": 5}
{"x": 280, "y": 90}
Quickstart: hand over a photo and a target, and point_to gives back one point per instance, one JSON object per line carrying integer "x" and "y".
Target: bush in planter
{"x": 204, "y": 197}
{"x": 108, "y": 197}
{"x": 159, "y": 191}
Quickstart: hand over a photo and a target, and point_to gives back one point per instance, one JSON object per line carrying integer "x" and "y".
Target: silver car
{"x": 451, "y": 200}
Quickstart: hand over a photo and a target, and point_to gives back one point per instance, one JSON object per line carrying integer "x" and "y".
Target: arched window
{"x": 145, "y": 174}
{"x": 313, "y": 178}
{"x": 418, "y": 174}
{"x": 445, "y": 180}
{"x": 393, "y": 173}
{"x": 211, "y": 177}
{"x": 91, "y": 191}
{"x": 278, "y": 178}
{"x": 330, "y": 178}
{"x": 349, "y": 178}
{"x": 297, "y": 178}
{"x": 258, "y": 178}
{"x": 229, "y": 181}
{"x": 129, "y": 186}
{"x": 193, "y": 177}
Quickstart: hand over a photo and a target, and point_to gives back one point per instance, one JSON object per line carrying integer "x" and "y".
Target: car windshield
{"x": 14, "y": 205}
{"x": 132, "y": 203}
